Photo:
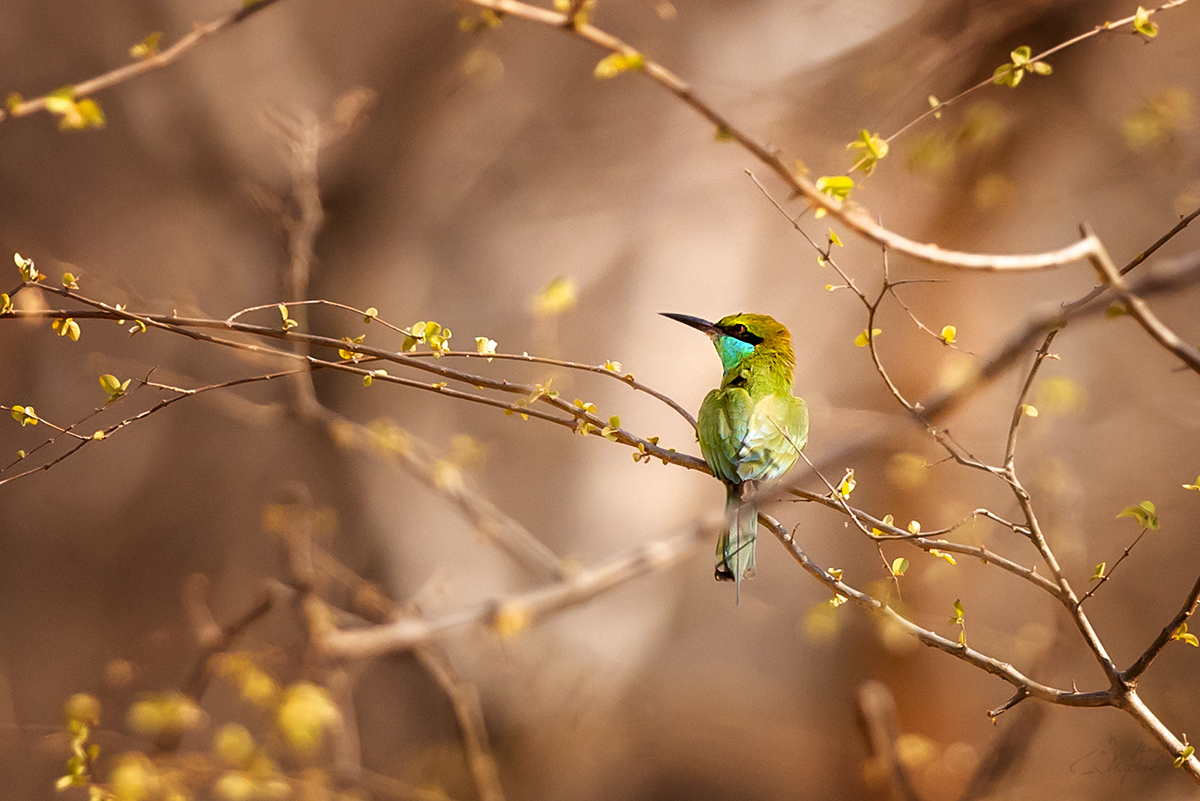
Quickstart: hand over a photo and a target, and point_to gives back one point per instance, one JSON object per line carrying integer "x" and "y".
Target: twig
{"x": 186, "y": 327}
{"x": 956, "y": 649}
{"x": 1103, "y": 579}
{"x": 1182, "y": 616}
{"x": 519, "y": 609}
{"x": 212, "y": 643}
{"x": 847, "y": 213}
{"x": 1007, "y": 754}
{"x": 1066, "y": 595}
{"x": 926, "y": 543}
{"x": 415, "y": 456}
{"x": 151, "y": 62}
{"x": 1184, "y": 351}
{"x": 1099, "y": 29}
{"x": 464, "y": 698}
{"x": 1019, "y": 411}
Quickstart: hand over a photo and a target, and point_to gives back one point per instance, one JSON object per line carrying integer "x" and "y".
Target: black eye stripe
{"x": 740, "y": 332}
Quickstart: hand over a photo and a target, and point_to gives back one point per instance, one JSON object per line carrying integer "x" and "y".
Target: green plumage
{"x": 751, "y": 428}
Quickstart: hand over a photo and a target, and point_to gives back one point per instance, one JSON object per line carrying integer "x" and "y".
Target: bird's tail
{"x": 735, "y": 548}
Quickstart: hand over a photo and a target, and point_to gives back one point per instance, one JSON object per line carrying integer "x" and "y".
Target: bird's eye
{"x": 739, "y": 329}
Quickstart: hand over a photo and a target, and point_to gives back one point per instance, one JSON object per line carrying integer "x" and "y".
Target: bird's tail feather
{"x": 735, "y": 548}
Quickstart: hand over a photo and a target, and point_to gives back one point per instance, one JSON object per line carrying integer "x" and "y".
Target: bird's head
{"x": 740, "y": 336}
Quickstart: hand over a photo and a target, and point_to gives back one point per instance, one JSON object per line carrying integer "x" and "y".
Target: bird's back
{"x": 751, "y": 439}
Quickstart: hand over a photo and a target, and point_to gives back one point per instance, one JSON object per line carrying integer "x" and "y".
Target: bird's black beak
{"x": 694, "y": 322}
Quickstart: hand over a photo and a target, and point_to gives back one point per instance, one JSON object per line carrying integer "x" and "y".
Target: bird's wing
{"x": 776, "y": 429}
{"x": 721, "y": 427}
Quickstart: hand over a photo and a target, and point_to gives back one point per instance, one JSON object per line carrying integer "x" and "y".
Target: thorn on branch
{"x": 1020, "y": 695}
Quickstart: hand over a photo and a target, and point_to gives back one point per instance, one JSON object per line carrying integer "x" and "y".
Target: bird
{"x": 751, "y": 428}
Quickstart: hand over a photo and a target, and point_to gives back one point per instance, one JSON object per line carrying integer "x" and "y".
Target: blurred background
{"x": 493, "y": 163}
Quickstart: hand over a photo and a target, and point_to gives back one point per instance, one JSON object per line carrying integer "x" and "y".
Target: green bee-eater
{"x": 751, "y": 428}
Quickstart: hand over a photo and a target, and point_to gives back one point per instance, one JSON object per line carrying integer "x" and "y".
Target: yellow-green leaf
{"x": 948, "y": 334}
{"x": 147, "y": 47}
{"x": 288, "y": 322}
{"x": 836, "y": 186}
{"x": 347, "y": 353}
{"x": 863, "y": 339}
{"x": 1182, "y": 635}
{"x": 847, "y": 484}
{"x": 28, "y": 271}
{"x": 1195, "y": 486}
{"x": 1143, "y": 25}
{"x": 1011, "y": 74}
{"x": 958, "y": 613}
{"x": 66, "y": 327}
{"x": 899, "y": 566}
{"x": 871, "y": 148}
{"x": 614, "y": 64}
{"x": 1144, "y": 513}
{"x": 942, "y": 555}
{"x": 113, "y": 386}
{"x": 1098, "y": 573}
{"x": 485, "y": 346}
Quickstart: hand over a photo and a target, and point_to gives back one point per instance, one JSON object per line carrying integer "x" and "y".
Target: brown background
{"x": 493, "y": 163}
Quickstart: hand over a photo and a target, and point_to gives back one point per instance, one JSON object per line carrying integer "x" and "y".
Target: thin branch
{"x": 464, "y": 698}
{"x": 1021, "y": 407}
{"x": 148, "y": 64}
{"x": 1155, "y": 648}
{"x": 513, "y": 539}
{"x": 222, "y": 639}
{"x": 185, "y": 326}
{"x": 1066, "y": 595}
{"x": 1132, "y": 704}
{"x": 849, "y": 214}
{"x": 956, "y": 649}
{"x": 515, "y": 611}
{"x": 1104, "y": 579}
{"x": 1106, "y": 27}
{"x": 926, "y": 543}
{"x": 1184, "y": 351}
{"x": 1005, "y": 756}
